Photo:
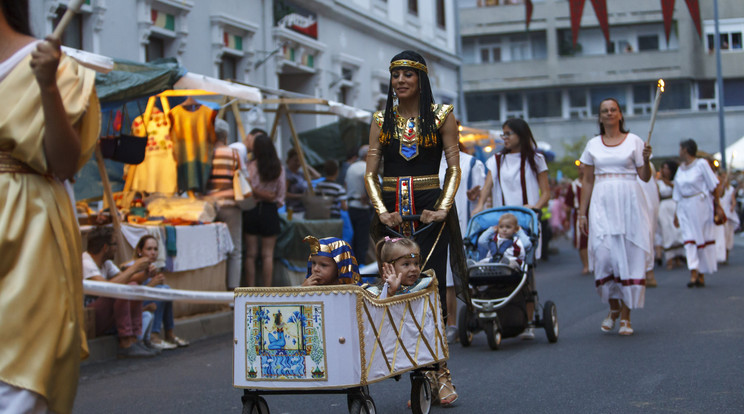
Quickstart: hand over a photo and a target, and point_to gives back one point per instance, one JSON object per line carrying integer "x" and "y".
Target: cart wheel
{"x": 255, "y": 406}
{"x": 420, "y": 395}
{"x": 466, "y": 336}
{"x": 359, "y": 392}
{"x": 493, "y": 334}
{"x": 362, "y": 405}
{"x": 550, "y": 319}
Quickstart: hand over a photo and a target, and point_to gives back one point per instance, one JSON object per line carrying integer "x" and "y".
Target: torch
{"x": 72, "y": 7}
{"x": 659, "y": 91}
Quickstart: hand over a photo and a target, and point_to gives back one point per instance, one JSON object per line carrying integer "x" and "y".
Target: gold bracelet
{"x": 372, "y": 182}
{"x": 451, "y": 182}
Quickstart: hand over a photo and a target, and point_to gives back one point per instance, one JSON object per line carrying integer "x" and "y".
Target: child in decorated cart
{"x": 399, "y": 261}
{"x": 331, "y": 262}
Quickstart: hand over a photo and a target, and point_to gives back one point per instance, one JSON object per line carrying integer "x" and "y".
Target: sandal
{"x": 625, "y": 328}
{"x": 446, "y": 390}
{"x": 178, "y": 342}
{"x": 608, "y": 324}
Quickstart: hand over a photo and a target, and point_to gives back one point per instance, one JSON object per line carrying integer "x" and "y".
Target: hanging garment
{"x": 157, "y": 173}
{"x": 193, "y": 136}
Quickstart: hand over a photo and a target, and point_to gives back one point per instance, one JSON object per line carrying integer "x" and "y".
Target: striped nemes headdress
{"x": 340, "y": 252}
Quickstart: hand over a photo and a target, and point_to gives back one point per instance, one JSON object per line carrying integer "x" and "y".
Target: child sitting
{"x": 399, "y": 261}
{"x": 331, "y": 262}
{"x": 506, "y": 247}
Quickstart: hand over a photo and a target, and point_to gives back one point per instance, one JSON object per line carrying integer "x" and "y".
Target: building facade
{"x": 539, "y": 75}
{"x": 332, "y": 49}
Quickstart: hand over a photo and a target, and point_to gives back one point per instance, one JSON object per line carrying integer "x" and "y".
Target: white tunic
{"x": 510, "y": 185}
{"x": 671, "y": 236}
{"x": 619, "y": 241}
{"x": 693, "y": 185}
{"x": 651, "y": 192}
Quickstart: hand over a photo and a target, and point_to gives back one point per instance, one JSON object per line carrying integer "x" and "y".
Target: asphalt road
{"x": 687, "y": 356}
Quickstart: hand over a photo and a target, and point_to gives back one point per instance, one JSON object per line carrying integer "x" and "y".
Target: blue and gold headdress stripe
{"x": 340, "y": 252}
{"x": 405, "y": 63}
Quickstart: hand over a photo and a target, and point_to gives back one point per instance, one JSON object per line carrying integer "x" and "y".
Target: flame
{"x": 716, "y": 163}
{"x": 488, "y": 149}
{"x": 459, "y": 128}
{"x": 660, "y": 85}
{"x": 577, "y": 162}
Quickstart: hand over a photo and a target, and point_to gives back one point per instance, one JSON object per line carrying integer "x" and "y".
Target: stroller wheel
{"x": 493, "y": 334}
{"x": 421, "y": 397}
{"x": 550, "y": 321}
{"x": 466, "y": 336}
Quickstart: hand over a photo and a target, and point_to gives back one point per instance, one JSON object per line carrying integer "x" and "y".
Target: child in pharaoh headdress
{"x": 399, "y": 261}
{"x": 331, "y": 262}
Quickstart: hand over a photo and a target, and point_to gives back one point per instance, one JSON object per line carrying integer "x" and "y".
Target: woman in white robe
{"x": 671, "y": 236}
{"x": 619, "y": 237}
{"x": 694, "y": 191}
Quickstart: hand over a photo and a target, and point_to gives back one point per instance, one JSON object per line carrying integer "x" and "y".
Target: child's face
{"x": 507, "y": 228}
{"x": 324, "y": 270}
{"x": 407, "y": 265}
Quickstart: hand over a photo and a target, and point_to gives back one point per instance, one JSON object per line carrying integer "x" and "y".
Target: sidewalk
{"x": 192, "y": 328}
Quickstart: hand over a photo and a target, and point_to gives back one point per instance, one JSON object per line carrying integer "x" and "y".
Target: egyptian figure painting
{"x": 285, "y": 342}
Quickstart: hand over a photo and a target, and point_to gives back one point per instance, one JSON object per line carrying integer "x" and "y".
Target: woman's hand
{"x": 676, "y": 221}
{"x": 391, "y": 219}
{"x": 393, "y": 279}
{"x": 584, "y": 225}
{"x": 156, "y": 280}
{"x": 429, "y": 216}
{"x": 473, "y": 193}
{"x": 45, "y": 60}
{"x": 646, "y": 153}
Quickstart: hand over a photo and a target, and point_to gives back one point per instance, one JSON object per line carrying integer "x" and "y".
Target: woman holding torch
{"x": 619, "y": 243}
{"x": 49, "y": 123}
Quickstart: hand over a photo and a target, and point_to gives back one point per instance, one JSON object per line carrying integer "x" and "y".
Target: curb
{"x": 193, "y": 328}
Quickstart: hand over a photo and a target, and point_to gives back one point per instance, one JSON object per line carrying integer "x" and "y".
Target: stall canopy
{"x": 131, "y": 80}
{"x": 334, "y": 141}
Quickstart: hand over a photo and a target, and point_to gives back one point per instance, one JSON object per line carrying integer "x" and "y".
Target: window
{"x": 490, "y": 54}
{"x": 514, "y": 105}
{"x": 729, "y": 41}
{"x": 642, "y": 99}
{"x": 677, "y": 95}
{"x": 413, "y": 7}
{"x": 733, "y": 92}
{"x": 229, "y": 67}
{"x": 706, "y": 95}
{"x": 577, "y": 103}
{"x": 73, "y": 36}
{"x": 544, "y": 104}
{"x": 648, "y": 42}
{"x": 156, "y": 47}
{"x": 482, "y": 106}
{"x": 598, "y": 94}
{"x": 441, "y": 19}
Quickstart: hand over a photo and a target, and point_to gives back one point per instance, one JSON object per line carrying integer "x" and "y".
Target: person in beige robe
{"x": 49, "y": 122}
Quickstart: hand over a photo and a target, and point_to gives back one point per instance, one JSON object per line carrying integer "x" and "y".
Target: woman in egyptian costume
{"x": 49, "y": 122}
{"x": 409, "y": 139}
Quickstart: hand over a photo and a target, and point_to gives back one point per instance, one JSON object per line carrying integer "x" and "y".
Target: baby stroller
{"x": 499, "y": 293}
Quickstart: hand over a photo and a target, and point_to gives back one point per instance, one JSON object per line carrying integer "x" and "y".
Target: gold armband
{"x": 374, "y": 192}
{"x": 451, "y": 182}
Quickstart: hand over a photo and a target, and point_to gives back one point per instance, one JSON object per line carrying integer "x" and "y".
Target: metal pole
{"x": 719, "y": 83}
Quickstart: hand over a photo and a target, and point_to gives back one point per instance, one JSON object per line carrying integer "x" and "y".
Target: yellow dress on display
{"x": 41, "y": 294}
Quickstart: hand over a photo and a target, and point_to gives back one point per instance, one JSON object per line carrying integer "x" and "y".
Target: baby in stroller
{"x": 506, "y": 247}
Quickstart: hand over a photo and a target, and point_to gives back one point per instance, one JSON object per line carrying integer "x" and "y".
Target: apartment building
{"x": 332, "y": 49}
{"x": 539, "y": 75}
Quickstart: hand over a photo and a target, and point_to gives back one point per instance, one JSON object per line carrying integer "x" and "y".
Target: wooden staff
{"x": 73, "y": 7}
{"x": 659, "y": 91}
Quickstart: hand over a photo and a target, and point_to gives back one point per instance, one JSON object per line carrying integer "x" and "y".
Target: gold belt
{"x": 421, "y": 182}
{"x": 8, "y": 164}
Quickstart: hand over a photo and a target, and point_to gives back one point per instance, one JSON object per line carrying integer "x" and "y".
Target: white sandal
{"x": 608, "y": 324}
{"x": 625, "y": 328}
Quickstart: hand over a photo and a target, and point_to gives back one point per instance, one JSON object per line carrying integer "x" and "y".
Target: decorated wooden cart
{"x": 334, "y": 339}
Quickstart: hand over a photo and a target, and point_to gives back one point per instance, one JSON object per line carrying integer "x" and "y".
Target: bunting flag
{"x": 600, "y": 9}
{"x": 694, "y": 8}
{"x": 528, "y": 11}
{"x": 576, "y": 10}
{"x": 667, "y": 10}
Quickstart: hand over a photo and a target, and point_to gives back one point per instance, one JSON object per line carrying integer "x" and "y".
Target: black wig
{"x": 16, "y": 14}
{"x": 427, "y": 124}
{"x": 621, "y": 125}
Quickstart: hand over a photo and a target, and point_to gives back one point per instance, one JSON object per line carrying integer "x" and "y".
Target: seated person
{"x": 296, "y": 183}
{"x": 160, "y": 312}
{"x": 331, "y": 262}
{"x": 400, "y": 262}
{"x": 332, "y": 190}
{"x": 125, "y": 315}
{"x": 488, "y": 234}
{"x": 506, "y": 247}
